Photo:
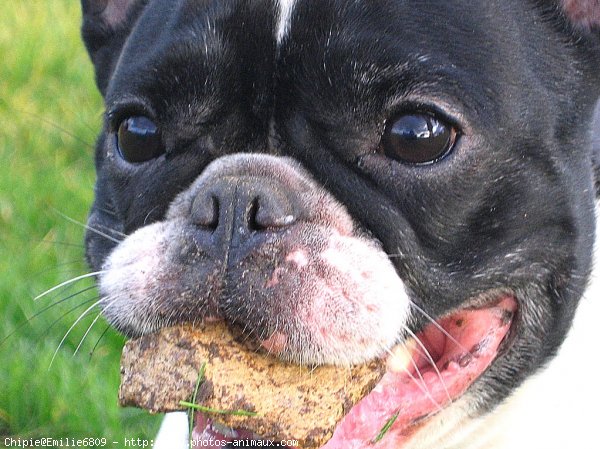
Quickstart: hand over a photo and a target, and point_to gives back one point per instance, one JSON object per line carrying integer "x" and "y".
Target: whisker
{"x": 418, "y": 371}
{"x": 92, "y": 129}
{"x": 420, "y": 385}
{"x": 148, "y": 214}
{"x": 72, "y": 295}
{"x": 396, "y": 256}
{"x": 69, "y": 282}
{"x": 114, "y": 231}
{"x": 67, "y": 244}
{"x": 98, "y": 341}
{"x": 35, "y": 315}
{"x": 108, "y": 210}
{"x": 81, "y": 316}
{"x": 263, "y": 335}
{"x": 438, "y": 326}
{"x": 92, "y": 229}
{"x": 71, "y": 310}
{"x": 54, "y": 268}
{"x": 430, "y": 359}
{"x": 57, "y": 126}
{"x": 86, "y": 333}
{"x": 424, "y": 388}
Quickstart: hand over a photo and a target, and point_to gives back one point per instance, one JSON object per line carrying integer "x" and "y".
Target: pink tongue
{"x": 408, "y": 396}
{"x": 476, "y": 336}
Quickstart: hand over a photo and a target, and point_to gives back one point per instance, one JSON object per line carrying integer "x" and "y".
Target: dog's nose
{"x": 241, "y": 205}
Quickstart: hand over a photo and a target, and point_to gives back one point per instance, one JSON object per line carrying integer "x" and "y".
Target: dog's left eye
{"x": 139, "y": 140}
{"x": 417, "y": 138}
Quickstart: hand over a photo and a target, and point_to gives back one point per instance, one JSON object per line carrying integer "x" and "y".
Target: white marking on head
{"x": 283, "y": 23}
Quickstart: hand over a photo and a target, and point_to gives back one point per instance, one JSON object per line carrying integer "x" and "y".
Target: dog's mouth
{"x": 424, "y": 375}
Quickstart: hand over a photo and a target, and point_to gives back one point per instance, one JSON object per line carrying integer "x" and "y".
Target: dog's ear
{"x": 582, "y": 14}
{"x": 106, "y": 25}
{"x": 596, "y": 147}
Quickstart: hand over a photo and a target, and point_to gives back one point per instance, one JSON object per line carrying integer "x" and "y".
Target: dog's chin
{"x": 425, "y": 374}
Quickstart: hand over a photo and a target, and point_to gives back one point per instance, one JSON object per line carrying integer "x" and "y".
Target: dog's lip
{"x": 461, "y": 346}
{"x": 442, "y": 337}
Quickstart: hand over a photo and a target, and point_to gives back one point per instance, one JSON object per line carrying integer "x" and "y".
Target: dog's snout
{"x": 242, "y": 205}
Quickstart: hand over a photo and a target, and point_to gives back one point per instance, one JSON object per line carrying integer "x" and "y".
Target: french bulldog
{"x": 343, "y": 180}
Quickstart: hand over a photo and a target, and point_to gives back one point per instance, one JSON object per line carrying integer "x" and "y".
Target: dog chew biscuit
{"x": 291, "y": 402}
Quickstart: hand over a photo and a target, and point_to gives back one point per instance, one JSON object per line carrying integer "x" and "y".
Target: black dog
{"x": 334, "y": 178}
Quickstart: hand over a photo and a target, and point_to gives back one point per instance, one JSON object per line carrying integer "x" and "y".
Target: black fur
{"x": 512, "y": 208}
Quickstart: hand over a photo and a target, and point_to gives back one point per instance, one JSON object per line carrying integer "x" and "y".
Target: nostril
{"x": 253, "y": 224}
{"x": 267, "y": 212}
{"x": 205, "y": 211}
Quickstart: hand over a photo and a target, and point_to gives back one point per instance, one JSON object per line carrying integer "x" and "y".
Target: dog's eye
{"x": 139, "y": 139}
{"x": 418, "y": 138}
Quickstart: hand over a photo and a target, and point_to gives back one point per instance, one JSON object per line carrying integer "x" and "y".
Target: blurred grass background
{"x": 49, "y": 116}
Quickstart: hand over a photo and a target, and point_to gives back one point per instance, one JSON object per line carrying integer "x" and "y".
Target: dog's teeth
{"x": 401, "y": 358}
{"x": 452, "y": 367}
{"x": 430, "y": 377}
{"x": 223, "y": 430}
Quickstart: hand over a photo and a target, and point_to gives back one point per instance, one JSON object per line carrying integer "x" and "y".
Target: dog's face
{"x": 332, "y": 178}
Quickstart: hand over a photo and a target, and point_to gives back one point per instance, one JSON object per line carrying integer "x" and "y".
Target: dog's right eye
{"x": 139, "y": 140}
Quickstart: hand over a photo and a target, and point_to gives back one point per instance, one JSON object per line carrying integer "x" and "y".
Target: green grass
{"x": 49, "y": 117}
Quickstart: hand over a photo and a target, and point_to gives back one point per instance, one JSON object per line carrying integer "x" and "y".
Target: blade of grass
{"x": 194, "y": 396}
{"x": 386, "y": 428}
{"x": 216, "y": 411}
